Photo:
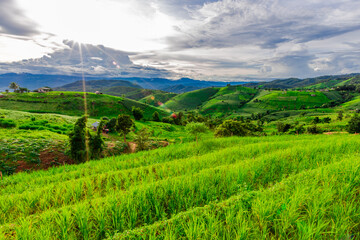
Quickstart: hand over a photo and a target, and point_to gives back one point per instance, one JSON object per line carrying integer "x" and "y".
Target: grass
{"x": 251, "y": 188}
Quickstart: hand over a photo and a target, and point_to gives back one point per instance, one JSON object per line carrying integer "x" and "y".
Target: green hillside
{"x": 72, "y": 104}
{"x": 281, "y": 187}
{"x": 228, "y": 100}
{"x": 310, "y": 83}
{"x": 157, "y": 99}
{"x": 118, "y": 88}
{"x": 191, "y": 100}
{"x": 216, "y": 101}
{"x": 285, "y": 100}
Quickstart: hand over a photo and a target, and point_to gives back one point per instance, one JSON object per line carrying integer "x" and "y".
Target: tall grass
{"x": 270, "y": 187}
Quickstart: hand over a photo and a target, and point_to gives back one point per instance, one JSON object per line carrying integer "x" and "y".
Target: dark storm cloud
{"x": 14, "y": 22}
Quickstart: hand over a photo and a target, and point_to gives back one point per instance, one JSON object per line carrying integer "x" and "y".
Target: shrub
{"x": 196, "y": 129}
{"x": 313, "y": 129}
{"x": 7, "y": 123}
{"x": 236, "y": 128}
{"x": 142, "y": 139}
{"x": 283, "y": 127}
{"x": 137, "y": 113}
{"x": 354, "y": 124}
{"x": 156, "y": 117}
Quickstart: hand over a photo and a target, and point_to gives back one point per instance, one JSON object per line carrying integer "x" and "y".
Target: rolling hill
{"x": 34, "y": 81}
{"x": 317, "y": 83}
{"x": 118, "y": 88}
{"x": 72, "y": 104}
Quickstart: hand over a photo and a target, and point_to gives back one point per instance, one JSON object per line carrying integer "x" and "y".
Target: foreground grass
{"x": 235, "y": 188}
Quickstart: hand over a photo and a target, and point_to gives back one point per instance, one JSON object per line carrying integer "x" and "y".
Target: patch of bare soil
{"x": 48, "y": 158}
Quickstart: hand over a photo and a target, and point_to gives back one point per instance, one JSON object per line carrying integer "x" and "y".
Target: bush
{"x": 314, "y": 129}
{"x": 283, "y": 127}
{"x": 236, "y": 128}
{"x": 354, "y": 124}
{"x": 137, "y": 113}
{"x": 7, "y": 123}
{"x": 156, "y": 117}
{"x": 196, "y": 129}
{"x": 142, "y": 139}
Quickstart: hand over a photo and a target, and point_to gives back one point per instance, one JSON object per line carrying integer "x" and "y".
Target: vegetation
{"x": 263, "y": 181}
{"x": 251, "y": 187}
{"x": 72, "y": 104}
{"x": 79, "y": 145}
{"x": 123, "y": 125}
{"x": 196, "y": 129}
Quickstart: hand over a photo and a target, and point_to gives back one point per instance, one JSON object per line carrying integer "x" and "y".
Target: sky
{"x": 228, "y": 40}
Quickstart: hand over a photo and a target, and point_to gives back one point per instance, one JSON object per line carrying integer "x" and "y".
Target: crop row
{"x": 318, "y": 204}
{"x": 147, "y": 203}
{"x": 25, "y": 182}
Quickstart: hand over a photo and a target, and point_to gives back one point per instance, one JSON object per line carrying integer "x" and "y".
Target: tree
{"x": 124, "y": 124}
{"x": 142, "y": 138}
{"x": 156, "y": 116}
{"x": 14, "y": 86}
{"x": 354, "y": 124}
{"x": 111, "y": 125}
{"x": 22, "y": 90}
{"x": 283, "y": 127}
{"x": 340, "y": 115}
{"x": 236, "y": 128}
{"x": 78, "y": 148}
{"x": 96, "y": 143}
{"x": 196, "y": 129}
{"x": 137, "y": 113}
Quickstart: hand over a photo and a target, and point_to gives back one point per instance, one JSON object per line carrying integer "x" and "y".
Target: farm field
{"x": 72, "y": 104}
{"x": 39, "y": 141}
{"x": 298, "y": 187}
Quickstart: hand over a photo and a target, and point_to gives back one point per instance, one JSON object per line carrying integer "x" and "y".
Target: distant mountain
{"x": 330, "y": 81}
{"x": 33, "y": 81}
{"x": 119, "y": 88}
{"x": 180, "y": 88}
{"x": 96, "y": 85}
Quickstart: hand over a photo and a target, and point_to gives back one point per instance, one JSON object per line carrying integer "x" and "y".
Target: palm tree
{"x": 14, "y": 86}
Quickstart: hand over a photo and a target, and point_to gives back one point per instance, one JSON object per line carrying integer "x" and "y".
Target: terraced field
{"x": 298, "y": 187}
{"x": 72, "y": 104}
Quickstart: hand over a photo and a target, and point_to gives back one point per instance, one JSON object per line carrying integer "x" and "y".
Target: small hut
{"x": 95, "y": 126}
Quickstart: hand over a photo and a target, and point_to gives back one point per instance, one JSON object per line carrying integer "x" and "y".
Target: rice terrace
{"x": 216, "y": 119}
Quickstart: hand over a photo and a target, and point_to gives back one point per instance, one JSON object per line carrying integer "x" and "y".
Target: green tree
{"x": 111, "y": 125}
{"x": 78, "y": 148}
{"x": 196, "y": 129}
{"x": 340, "y": 116}
{"x": 354, "y": 124}
{"x": 142, "y": 139}
{"x": 96, "y": 143}
{"x": 22, "y": 90}
{"x": 137, "y": 113}
{"x": 156, "y": 116}
{"x": 14, "y": 86}
{"x": 236, "y": 128}
{"x": 283, "y": 127}
{"x": 123, "y": 125}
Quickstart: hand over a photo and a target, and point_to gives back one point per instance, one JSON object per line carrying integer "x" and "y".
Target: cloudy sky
{"x": 228, "y": 40}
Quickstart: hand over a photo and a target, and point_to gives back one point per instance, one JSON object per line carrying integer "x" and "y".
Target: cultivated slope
{"x": 216, "y": 101}
{"x": 72, "y": 104}
{"x": 298, "y": 187}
